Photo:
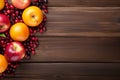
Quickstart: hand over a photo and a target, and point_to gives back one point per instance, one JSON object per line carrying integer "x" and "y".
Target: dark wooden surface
{"x": 82, "y": 43}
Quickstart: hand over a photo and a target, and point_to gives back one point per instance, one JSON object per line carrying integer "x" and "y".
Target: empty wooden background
{"x": 82, "y": 43}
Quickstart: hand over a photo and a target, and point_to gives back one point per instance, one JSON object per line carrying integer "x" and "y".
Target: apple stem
{"x": 14, "y": 47}
{"x": 1, "y": 27}
{"x": 35, "y": 18}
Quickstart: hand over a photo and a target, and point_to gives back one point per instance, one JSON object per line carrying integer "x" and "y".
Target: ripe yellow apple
{"x": 32, "y": 16}
{"x": 2, "y": 4}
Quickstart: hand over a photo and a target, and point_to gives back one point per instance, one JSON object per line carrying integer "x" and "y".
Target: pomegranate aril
{"x": 13, "y": 15}
{"x": 2, "y": 41}
{"x": 27, "y": 57}
{"x": 7, "y": 7}
{"x": 41, "y": 1}
{"x": 11, "y": 6}
{"x": 33, "y": 52}
{"x": 34, "y": 38}
{"x": 36, "y": 0}
{"x": 41, "y": 31}
{"x": 17, "y": 12}
{"x": 8, "y": 11}
{"x": 44, "y": 19}
{"x": 44, "y": 7}
{"x": 32, "y": 49}
{"x": 44, "y": 28}
{"x": 12, "y": 11}
{"x": 41, "y": 25}
{"x": 46, "y": 1}
{"x": 35, "y": 31}
{"x": 6, "y": 4}
{"x": 45, "y": 10}
{"x": 21, "y": 20}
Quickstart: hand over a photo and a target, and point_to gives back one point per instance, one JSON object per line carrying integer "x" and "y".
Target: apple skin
{"x": 15, "y": 51}
{"x": 21, "y": 4}
{"x": 4, "y": 23}
{"x": 32, "y": 16}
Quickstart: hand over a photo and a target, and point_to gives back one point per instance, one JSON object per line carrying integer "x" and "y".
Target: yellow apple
{"x": 2, "y": 4}
{"x": 32, "y": 16}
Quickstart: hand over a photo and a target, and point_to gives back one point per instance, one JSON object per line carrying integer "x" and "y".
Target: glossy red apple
{"x": 15, "y": 51}
{"x": 21, "y": 4}
{"x": 4, "y": 23}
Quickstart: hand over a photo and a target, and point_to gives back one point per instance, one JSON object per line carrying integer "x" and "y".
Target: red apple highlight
{"x": 21, "y": 4}
{"x": 15, "y": 51}
{"x": 4, "y": 23}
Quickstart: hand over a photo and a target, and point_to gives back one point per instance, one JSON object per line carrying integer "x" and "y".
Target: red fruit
{"x": 21, "y": 4}
{"x": 4, "y": 23}
{"x": 14, "y": 51}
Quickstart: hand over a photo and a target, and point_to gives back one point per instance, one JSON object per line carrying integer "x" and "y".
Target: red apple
{"x": 21, "y": 4}
{"x": 15, "y": 51}
{"x": 4, "y": 23}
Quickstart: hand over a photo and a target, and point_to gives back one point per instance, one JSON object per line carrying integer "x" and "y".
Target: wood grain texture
{"x": 68, "y": 78}
{"x": 78, "y": 69}
{"x": 77, "y": 49}
{"x": 62, "y": 71}
{"x": 84, "y": 3}
{"x": 87, "y": 21}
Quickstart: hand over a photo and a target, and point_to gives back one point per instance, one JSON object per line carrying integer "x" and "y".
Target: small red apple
{"x": 4, "y": 23}
{"x": 21, "y": 4}
{"x": 15, "y": 51}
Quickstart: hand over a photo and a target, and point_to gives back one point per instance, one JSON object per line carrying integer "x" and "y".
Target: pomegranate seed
{"x": 11, "y": 6}
{"x": 33, "y": 52}
{"x": 8, "y": 11}
{"x": 36, "y": 0}
{"x": 46, "y": 11}
{"x": 13, "y": 15}
{"x": 7, "y": 4}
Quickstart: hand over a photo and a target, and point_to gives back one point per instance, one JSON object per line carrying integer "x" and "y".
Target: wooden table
{"x": 82, "y": 43}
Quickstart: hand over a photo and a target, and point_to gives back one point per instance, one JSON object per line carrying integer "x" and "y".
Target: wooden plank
{"x": 87, "y": 21}
{"x": 73, "y": 49}
{"x": 82, "y": 14}
{"x": 38, "y": 70}
{"x": 63, "y": 3}
{"x": 67, "y": 78}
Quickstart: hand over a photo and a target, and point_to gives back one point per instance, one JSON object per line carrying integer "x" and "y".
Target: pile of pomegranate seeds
{"x": 15, "y": 15}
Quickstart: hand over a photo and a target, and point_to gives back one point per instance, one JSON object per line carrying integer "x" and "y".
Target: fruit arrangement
{"x": 19, "y": 21}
